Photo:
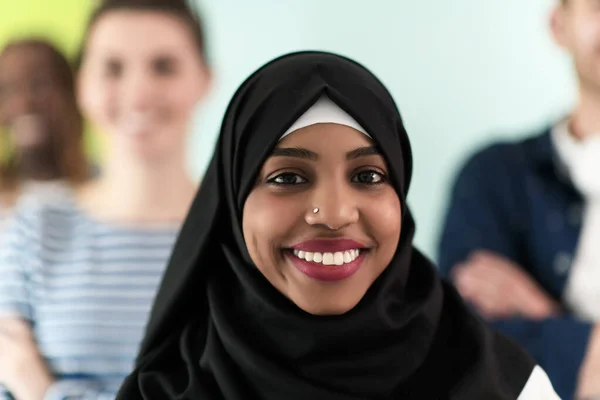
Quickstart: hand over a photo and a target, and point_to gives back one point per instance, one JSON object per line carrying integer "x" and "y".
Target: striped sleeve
{"x": 15, "y": 294}
{"x": 86, "y": 286}
{"x": 15, "y": 299}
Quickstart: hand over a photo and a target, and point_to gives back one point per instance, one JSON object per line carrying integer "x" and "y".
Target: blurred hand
{"x": 498, "y": 288}
{"x": 22, "y": 370}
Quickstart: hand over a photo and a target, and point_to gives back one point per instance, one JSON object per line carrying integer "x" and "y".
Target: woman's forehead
{"x": 139, "y": 34}
{"x": 20, "y": 58}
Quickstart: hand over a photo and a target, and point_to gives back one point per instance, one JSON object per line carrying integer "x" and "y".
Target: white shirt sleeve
{"x": 538, "y": 387}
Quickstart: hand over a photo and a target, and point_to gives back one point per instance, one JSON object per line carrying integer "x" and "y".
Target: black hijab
{"x": 219, "y": 330}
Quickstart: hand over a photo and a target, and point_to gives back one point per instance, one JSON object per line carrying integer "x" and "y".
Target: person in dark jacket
{"x": 521, "y": 239}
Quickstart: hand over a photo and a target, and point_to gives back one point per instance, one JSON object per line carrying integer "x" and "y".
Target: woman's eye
{"x": 113, "y": 69}
{"x": 287, "y": 179}
{"x": 164, "y": 67}
{"x": 368, "y": 177}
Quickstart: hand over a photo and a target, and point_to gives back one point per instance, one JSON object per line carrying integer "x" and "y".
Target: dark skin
{"x": 35, "y": 108}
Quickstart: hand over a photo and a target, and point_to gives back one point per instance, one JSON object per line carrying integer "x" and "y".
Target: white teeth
{"x": 28, "y": 129}
{"x": 328, "y": 259}
{"x": 347, "y": 256}
{"x": 337, "y": 258}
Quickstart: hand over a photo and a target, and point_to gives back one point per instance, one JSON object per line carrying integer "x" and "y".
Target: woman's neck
{"x": 140, "y": 191}
{"x": 585, "y": 119}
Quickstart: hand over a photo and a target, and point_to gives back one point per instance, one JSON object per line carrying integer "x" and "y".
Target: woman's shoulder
{"x": 42, "y": 206}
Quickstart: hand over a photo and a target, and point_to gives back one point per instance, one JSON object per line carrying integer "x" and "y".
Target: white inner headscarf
{"x": 322, "y": 112}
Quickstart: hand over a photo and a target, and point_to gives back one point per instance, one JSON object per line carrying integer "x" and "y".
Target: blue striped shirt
{"x": 87, "y": 288}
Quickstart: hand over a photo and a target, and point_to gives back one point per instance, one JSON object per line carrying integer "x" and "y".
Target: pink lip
{"x": 328, "y": 246}
{"x": 327, "y": 273}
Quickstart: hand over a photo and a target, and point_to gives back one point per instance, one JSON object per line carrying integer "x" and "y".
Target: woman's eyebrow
{"x": 306, "y": 154}
{"x": 297, "y": 152}
{"x": 362, "y": 152}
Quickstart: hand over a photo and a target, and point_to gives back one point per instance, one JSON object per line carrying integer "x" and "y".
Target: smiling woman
{"x": 355, "y": 231}
{"x": 295, "y": 277}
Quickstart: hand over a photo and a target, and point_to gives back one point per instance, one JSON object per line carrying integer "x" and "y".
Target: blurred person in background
{"x": 521, "y": 239}
{"x": 78, "y": 274}
{"x": 40, "y": 119}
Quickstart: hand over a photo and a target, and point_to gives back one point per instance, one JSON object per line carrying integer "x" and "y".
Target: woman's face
{"x": 32, "y": 101}
{"x": 141, "y": 78}
{"x": 323, "y": 261}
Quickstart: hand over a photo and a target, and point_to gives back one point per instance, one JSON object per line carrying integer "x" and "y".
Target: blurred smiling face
{"x": 323, "y": 261}
{"x": 32, "y": 100}
{"x": 142, "y": 76}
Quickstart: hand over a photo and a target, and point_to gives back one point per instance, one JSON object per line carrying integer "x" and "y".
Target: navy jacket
{"x": 513, "y": 199}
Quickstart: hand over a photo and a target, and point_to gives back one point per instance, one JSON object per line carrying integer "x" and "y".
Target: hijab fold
{"x": 220, "y": 330}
